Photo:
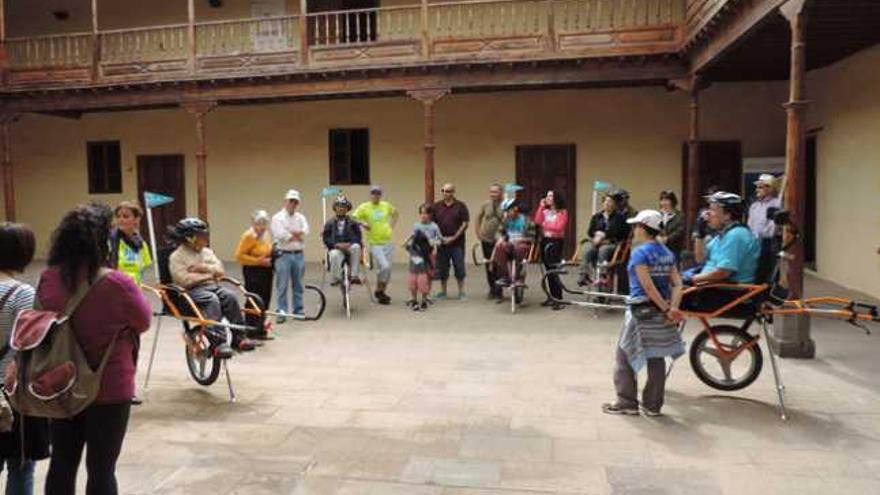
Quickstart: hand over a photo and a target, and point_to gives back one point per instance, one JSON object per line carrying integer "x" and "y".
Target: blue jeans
{"x": 290, "y": 267}
{"x": 20, "y": 480}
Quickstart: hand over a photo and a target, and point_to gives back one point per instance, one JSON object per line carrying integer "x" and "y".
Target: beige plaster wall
{"x": 846, "y": 109}
{"x": 628, "y": 136}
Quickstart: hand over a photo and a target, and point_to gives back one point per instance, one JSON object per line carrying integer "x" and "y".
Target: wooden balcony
{"x": 427, "y": 34}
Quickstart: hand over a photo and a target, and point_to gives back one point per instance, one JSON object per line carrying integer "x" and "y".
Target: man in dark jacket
{"x": 607, "y": 229}
{"x": 342, "y": 236}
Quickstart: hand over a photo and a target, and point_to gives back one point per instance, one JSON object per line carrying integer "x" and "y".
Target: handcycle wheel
{"x": 203, "y": 365}
{"x": 714, "y": 370}
{"x": 314, "y": 303}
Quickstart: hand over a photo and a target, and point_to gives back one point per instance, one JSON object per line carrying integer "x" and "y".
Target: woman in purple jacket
{"x": 80, "y": 250}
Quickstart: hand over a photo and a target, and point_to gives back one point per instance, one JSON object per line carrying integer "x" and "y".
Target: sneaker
{"x": 620, "y": 410}
{"x": 440, "y": 296}
{"x": 262, "y": 336}
{"x": 223, "y": 351}
{"x": 411, "y": 303}
{"x": 415, "y": 307}
{"x": 503, "y": 282}
{"x": 548, "y": 302}
{"x": 423, "y": 306}
{"x": 245, "y": 345}
{"x": 558, "y": 306}
{"x": 649, "y": 413}
{"x": 136, "y": 401}
{"x": 335, "y": 283}
{"x": 462, "y": 296}
{"x": 281, "y": 320}
{"x": 355, "y": 281}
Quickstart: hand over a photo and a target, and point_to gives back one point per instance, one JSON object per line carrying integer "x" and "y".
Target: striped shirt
{"x": 22, "y": 298}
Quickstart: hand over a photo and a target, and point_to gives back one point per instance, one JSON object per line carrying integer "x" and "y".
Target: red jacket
{"x": 553, "y": 225}
{"x": 115, "y": 304}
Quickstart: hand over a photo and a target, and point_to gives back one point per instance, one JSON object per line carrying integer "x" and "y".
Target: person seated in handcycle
{"x": 608, "y": 228}
{"x": 195, "y": 267}
{"x": 518, "y": 233}
{"x": 342, "y": 237}
{"x": 731, "y": 256}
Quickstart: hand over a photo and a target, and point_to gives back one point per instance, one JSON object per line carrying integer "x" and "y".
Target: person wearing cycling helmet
{"x": 732, "y": 255}
{"x": 195, "y": 267}
{"x": 342, "y": 237}
{"x": 621, "y": 197}
{"x": 518, "y": 233}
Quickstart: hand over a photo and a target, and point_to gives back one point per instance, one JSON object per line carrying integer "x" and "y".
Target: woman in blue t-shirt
{"x": 650, "y": 332}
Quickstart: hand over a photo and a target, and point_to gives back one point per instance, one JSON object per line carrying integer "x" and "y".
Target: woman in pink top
{"x": 80, "y": 248}
{"x": 553, "y": 219}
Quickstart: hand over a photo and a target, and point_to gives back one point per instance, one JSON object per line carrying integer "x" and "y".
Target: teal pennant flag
{"x": 330, "y": 191}
{"x": 152, "y": 200}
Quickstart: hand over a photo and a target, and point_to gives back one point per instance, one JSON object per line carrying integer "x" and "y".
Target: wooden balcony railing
{"x": 495, "y": 30}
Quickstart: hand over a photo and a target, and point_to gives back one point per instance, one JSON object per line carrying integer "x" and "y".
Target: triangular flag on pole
{"x": 152, "y": 200}
{"x": 600, "y": 185}
{"x": 330, "y": 191}
{"x": 512, "y": 188}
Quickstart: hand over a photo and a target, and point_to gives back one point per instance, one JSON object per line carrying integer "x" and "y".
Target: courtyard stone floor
{"x": 467, "y": 399}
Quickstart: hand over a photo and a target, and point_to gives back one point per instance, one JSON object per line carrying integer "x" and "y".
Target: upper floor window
{"x": 105, "y": 167}
{"x": 349, "y": 156}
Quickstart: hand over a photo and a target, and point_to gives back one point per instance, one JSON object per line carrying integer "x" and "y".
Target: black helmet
{"x": 620, "y": 195}
{"x": 342, "y": 201}
{"x": 730, "y": 202}
{"x": 187, "y": 228}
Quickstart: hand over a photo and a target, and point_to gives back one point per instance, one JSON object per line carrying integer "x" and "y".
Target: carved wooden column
{"x": 691, "y": 192}
{"x": 791, "y": 338}
{"x": 429, "y": 97}
{"x": 303, "y": 32}
{"x": 96, "y": 43}
{"x": 191, "y": 36}
{"x": 426, "y": 37}
{"x": 4, "y": 56}
{"x": 8, "y": 176}
{"x": 200, "y": 109}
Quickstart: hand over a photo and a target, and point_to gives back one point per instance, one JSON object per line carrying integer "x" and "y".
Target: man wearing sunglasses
{"x": 453, "y": 217}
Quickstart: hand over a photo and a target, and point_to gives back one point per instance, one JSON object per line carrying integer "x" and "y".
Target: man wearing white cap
{"x": 761, "y": 212}
{"x": 289, "y": 229}
{"x": 650, "y": 332}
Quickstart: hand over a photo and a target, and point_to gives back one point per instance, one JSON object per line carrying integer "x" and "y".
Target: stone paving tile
{"x": 557, "y": 477}
{"x": 351, "y": 487}
{"x": 506, "y": 448}
{"x": 452, "y": 472}
{"x": 653, "y": 481}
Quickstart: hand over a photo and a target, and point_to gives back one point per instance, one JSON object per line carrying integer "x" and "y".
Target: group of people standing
{"x": 111, "y": 317}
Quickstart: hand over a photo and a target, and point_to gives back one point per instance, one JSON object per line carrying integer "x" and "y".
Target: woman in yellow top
{"x": 254, "y": 252}
{"x": 128, "y": 251}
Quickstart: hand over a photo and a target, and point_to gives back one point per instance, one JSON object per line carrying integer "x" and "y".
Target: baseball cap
{"x": 766, "y": 179}
{"x": 293, "y": 194}
{"x": 648, "y": 218}
{"x": 375, "y": 189}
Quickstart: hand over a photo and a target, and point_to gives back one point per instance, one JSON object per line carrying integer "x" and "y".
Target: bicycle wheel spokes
{"x": 729, "y": 361}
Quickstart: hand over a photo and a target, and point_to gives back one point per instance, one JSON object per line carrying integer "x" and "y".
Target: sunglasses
{"x": 447, "y": 190}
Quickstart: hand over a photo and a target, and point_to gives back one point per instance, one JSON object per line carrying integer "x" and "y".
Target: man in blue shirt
{"x": 732, "y": 255}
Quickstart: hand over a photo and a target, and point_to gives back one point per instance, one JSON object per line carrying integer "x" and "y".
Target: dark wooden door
{"x": 540, "y": 168}
{"x": 163, "y": 174}
{"x": 720, "y": 166}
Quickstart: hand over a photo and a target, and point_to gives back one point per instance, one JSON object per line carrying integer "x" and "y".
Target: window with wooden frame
{"x": 349, "y": 156}
{"x": 105, "y": 167}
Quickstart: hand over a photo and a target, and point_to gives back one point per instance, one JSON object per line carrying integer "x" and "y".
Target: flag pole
{"x": 152, "y": 240}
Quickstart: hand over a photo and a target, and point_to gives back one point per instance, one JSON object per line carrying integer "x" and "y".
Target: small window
{"x": 349, "y": 156}
{"x": 105, "y": 167}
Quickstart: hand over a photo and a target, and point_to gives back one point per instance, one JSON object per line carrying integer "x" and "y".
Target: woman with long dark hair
{"x": 114, "y": 307}
{"x": 552, "y": 216}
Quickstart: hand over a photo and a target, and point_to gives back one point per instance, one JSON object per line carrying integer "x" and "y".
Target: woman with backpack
{"x": 114, "y": 313}
{"x": 24, "y": 440}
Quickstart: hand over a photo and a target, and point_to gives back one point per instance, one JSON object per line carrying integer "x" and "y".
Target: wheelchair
{"x": 345, "y": 284}
{"x": 517, "y": 270}
{"x": 199, "y": 333}
{"x": 609, "y": 286}
{"x": 728, "y": 357}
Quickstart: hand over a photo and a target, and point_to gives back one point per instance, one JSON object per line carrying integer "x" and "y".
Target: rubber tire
{"x": 212, "y": 376}
{"x": 321, "y": 298}
{"x": 705, "y": 377}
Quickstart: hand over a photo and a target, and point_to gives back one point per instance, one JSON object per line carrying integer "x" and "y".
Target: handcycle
{"x": 345, "y": 284}
{"x": 200, "y": 334}
{"x": 517, "y": 269}
{"x": 604, "y": 290}
{"x": 728, "y": 357}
